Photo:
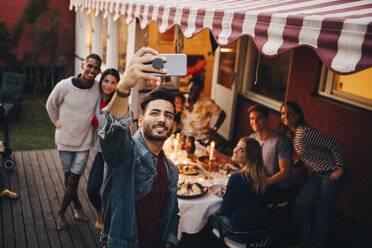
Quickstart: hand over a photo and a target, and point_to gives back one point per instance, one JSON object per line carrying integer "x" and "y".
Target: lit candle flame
{"x": 175, "y": 146}
{"x": 211, "y": 153}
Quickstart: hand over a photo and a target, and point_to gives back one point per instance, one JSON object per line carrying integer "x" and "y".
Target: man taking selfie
{"x": 140, "y": 207}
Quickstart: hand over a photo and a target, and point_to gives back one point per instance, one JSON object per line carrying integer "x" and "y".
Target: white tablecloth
{"x": 194, "y": 213}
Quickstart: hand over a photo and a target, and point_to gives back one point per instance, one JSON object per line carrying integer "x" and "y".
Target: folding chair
{"x": 11, "y": 94}
{"x": 253, "y": 238}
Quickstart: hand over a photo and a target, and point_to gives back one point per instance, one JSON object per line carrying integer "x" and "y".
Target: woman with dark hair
{"x": 324, "y": 155}
{"x": 179, "y": 102}
{"x": 107, "y": 84}
{"x": 244, "y": 205}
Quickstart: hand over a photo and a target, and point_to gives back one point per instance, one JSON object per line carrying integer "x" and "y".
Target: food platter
{"x": 190, "y": 169}
{"x": 218, "y": 189}
{"x": 191, "y": 190}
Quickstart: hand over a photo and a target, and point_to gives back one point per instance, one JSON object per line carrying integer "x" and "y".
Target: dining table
{"x": 195, "y": 211}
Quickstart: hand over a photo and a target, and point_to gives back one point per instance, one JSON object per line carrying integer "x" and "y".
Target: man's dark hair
{"x": 157, "y": 94}
{"x": 198, "y": 82}
{"x": 180, "y": 95}
{"x": 259, "y": 108}
{"x": 94, "y": 56}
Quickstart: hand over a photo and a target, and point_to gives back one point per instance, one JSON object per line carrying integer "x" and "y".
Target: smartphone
{"x": 176, "y": 65}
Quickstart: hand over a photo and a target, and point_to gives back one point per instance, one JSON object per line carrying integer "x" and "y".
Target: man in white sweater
{"x": 70, "y": 107}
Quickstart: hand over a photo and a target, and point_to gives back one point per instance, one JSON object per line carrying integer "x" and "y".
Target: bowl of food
{"x": 190, "y": 169}
{"x": 218, "y": 189}
{"x": 205, "y": 163}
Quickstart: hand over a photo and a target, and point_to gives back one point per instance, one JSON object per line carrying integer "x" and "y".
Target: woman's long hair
{"x": 254, "y": 168}
{"x": 112, "y": 72}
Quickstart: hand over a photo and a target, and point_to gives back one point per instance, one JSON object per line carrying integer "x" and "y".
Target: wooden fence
{"x": 39, "y": 78}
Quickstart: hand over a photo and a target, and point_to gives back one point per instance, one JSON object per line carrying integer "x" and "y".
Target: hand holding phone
{"x": 176, "y": 64}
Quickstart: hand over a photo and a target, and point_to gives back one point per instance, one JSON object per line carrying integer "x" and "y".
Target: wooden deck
{"x": 30, "y": 221}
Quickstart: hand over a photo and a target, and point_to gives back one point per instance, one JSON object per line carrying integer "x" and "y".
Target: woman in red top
{"x": 107, "y": 84}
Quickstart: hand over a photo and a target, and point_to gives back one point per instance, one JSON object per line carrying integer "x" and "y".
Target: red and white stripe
{"x": 339, "y": 31}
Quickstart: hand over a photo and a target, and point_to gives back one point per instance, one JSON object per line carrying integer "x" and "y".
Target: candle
{"x": 175, "y": 146}
{"x": 211, "y": 153}
{"x": 172, "y": 156}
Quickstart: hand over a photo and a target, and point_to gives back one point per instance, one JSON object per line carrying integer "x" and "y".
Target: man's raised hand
{"x": 138, "y": 68}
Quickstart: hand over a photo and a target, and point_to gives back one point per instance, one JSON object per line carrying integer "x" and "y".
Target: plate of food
{"x": 228, "y": 169}
{"x": 190, "y": 169}
{"x": 218, "y": 189}
{"x": 190, "y": 190}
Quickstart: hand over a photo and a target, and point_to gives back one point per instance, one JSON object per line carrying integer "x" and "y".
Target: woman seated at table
{"x": 244, "y": 205}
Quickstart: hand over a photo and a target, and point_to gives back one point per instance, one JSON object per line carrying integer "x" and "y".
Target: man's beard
{"x": 148, "y": 132}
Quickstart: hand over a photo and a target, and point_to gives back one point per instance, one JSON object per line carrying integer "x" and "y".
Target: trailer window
{"x": 265, "y": 80}
{"x": 354, "y": 89}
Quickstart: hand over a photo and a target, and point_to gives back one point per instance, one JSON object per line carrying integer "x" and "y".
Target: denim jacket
{"x": 129, "y": 174}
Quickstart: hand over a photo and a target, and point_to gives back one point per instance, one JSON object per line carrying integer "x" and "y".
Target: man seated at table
{"x": 198, "y": 111}
{"x": 140, "y": 207}
{"x": 276, "y": 152}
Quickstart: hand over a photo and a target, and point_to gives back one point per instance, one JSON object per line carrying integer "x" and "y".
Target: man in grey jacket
{"x": 70, "y": 107}
{"x": 140, "y": 207}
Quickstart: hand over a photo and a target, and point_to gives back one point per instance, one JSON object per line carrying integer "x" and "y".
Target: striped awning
{"x": 339, "y": 31}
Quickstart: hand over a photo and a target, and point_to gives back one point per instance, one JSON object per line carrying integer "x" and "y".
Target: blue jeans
{"x": 318, "y": 186}
{"x": 95, "y": 181}
{"x": 74, "y": 161}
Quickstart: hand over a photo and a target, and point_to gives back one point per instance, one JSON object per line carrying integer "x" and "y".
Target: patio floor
{"x": 30, "y": 221}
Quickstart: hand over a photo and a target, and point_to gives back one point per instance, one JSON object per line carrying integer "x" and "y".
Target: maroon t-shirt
{"x": 149, "y": 209}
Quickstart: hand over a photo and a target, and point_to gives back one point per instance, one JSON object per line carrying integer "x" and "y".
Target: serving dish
{"x": 190, "y": 169}
{"x": 191, "y": 190}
